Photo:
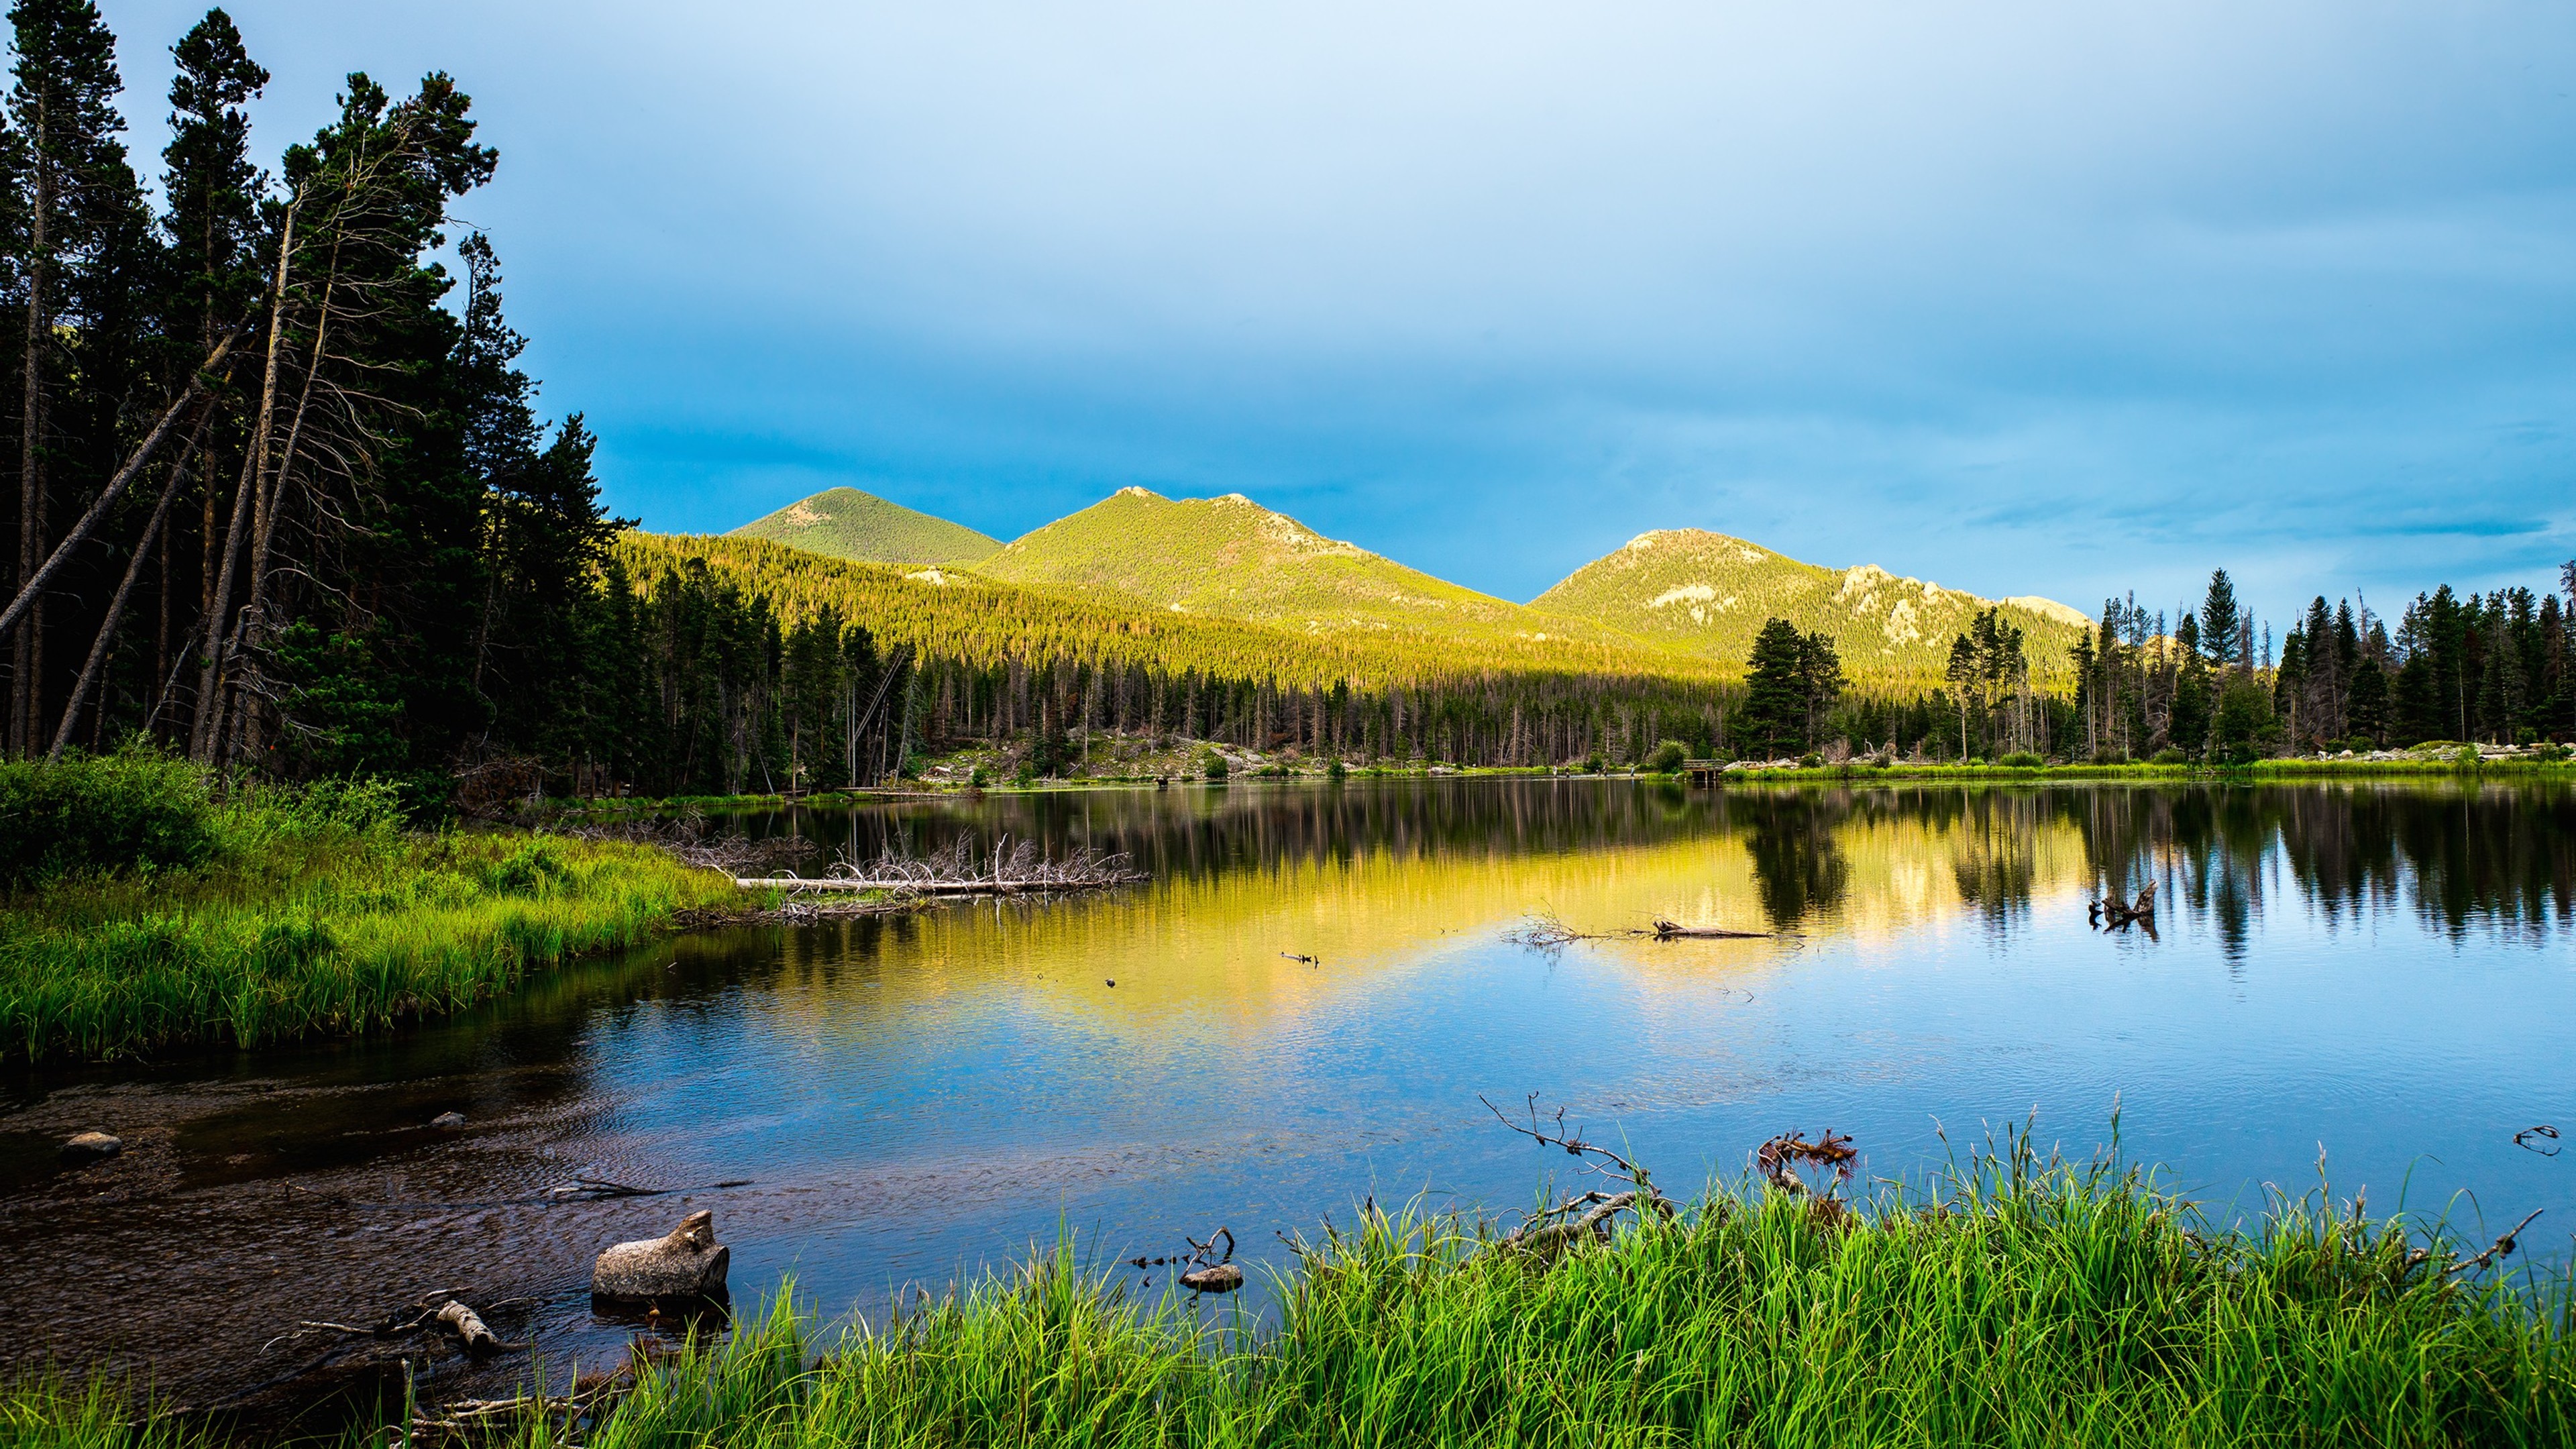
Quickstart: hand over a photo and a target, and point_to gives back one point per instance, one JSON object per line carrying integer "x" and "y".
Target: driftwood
{"x": 1778, "y": 1158}
{"x": 468, "y": 1326}
{"x": 2110, "y": 913}
{"x": 1543, "y": 931}
{"x": 1671, "y": 931}
{"x": 1205, "y": 1268}
{"x": 957, "y": 870}
{"x": 437, "y": 1311}
{"x": 688, "y": 1262}
{"x": 1590, "y": 1215}
{"x": 1221, "y": 1278}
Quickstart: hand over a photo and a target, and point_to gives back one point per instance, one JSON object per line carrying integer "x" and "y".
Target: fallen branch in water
{"x": 596, "y": 1189}
{"x": 1777, "y": 1159}
{"x": 957, "y": 870}
{"x": 2112, "y": 914}
{"x": 1587, "y": 1215}
{"x": 1543, "y": 931}
{"x": 439, "y": 1310}
{"x": 2502, "y": 1247}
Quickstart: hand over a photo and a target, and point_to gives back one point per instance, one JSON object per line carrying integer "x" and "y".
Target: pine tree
{"x": 2220, "y": 619}
{"x": 1773, "y": 721}
{"x": 80, "y": 207}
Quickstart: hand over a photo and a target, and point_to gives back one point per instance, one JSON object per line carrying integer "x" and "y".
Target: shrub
{"x": 1336, "y": 770}
{"x": 1213, "y": 766}
{"x": 2021, "y": 760}
{"x": 2170, "y": 756}
{"x": 137, "y": 809}
{"x": 1667, "y": 758}
{"x": 1594, "y": 765}
{"x": 1812, "y": 760}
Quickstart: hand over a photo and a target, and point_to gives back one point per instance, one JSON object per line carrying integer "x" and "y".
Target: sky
{"x": 2025, "y": 298}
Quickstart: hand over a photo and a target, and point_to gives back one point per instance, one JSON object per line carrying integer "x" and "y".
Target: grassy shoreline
{"x": 2017, "y": 1302}
{"x": 311, "y": 913}
{"x": 2260, "y": 772}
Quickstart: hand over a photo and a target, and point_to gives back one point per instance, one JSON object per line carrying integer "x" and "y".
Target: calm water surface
{"x": 2380, "y": 972}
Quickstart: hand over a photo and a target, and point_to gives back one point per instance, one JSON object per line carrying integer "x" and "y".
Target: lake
{"x": 2380, "y": 973}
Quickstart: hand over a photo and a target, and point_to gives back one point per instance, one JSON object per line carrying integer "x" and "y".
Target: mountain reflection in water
{"x": 2378, "y": 969}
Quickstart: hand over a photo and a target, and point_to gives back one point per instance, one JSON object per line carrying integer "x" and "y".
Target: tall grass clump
{"x": 291, "y": 911}
{"x": 2014, "y": 1303}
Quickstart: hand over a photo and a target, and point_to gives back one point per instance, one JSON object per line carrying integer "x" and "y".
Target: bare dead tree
{"x": 98, "y": 650}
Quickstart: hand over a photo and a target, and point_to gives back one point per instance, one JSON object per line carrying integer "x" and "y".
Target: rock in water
{"x": 448, "y": 1120}
{"x": 1223, "y": 1278}
{"x": 690, "y": 1263}
{"x": 92, "y": 1146}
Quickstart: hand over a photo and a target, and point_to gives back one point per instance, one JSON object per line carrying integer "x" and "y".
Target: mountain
{"x": 1707, "y": 594}
{"x": 1230, "y": 557}
{"x": 984, "y": 622}
{"x": 846, "y": 523}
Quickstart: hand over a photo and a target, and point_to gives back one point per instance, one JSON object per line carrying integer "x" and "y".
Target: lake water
{"x": 2382, "y": 972}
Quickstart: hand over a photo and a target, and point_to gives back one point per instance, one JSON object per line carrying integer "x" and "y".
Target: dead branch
{"x": 34, "y": 588}
{"x": 1543, "y": 931}
{"x": 1777, "y": 1159}
{"x": 599, "y": 1189}
{"x": 2502, "y": 1247}
{"x": 1670, "y": 931}
{"x": 958, "y": 870}
{"x": 2112, "y": 914}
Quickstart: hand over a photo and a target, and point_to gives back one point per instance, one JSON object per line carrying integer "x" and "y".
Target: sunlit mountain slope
{"x": 846, "y": 523}
{"x": 1707, "y": 594}
{"x": 1230, "y": 557}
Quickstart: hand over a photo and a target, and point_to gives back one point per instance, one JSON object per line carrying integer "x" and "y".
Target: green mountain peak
{"x": 846, "y": 523}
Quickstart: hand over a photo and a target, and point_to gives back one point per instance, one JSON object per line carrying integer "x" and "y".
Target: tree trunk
{"x": 31, "y": 593}
{"x": 98, "y": 651}
{"x": 210, "y": 704}
{"x": 26, "y": 656}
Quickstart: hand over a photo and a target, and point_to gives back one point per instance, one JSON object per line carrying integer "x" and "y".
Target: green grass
{"x": 846, "y": 523}
{"x": 2017, "y": 1302}
{"x": 2066, "y": 1306}
{"x": 317, "y": 913}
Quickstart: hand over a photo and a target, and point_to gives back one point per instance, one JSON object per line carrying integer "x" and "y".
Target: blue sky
{"x": 2025, "y": 298}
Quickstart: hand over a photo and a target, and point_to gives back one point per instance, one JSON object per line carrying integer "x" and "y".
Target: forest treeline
{"x": 2492, "y": 669}
{"x": 286, "y": 504}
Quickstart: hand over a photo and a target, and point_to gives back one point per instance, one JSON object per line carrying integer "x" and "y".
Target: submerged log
{"x": 1220, "y": 1278}
{"x": 1672, "y": 931}
{"x": 689, "y": 1263}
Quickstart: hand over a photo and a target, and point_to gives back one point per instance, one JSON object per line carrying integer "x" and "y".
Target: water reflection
{"x": 917, "y": 1095}
{"x": 2490, "y": 857}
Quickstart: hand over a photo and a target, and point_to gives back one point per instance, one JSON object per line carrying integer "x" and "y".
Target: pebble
{"x": 449, "y": 1120}
{"x": 92, "y": 1146}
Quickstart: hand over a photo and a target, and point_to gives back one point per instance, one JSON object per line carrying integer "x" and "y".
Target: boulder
{"x": 449, "y": 1121}
{"x": 92, "y": 1146}
{"x": 689, "y": 1263}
